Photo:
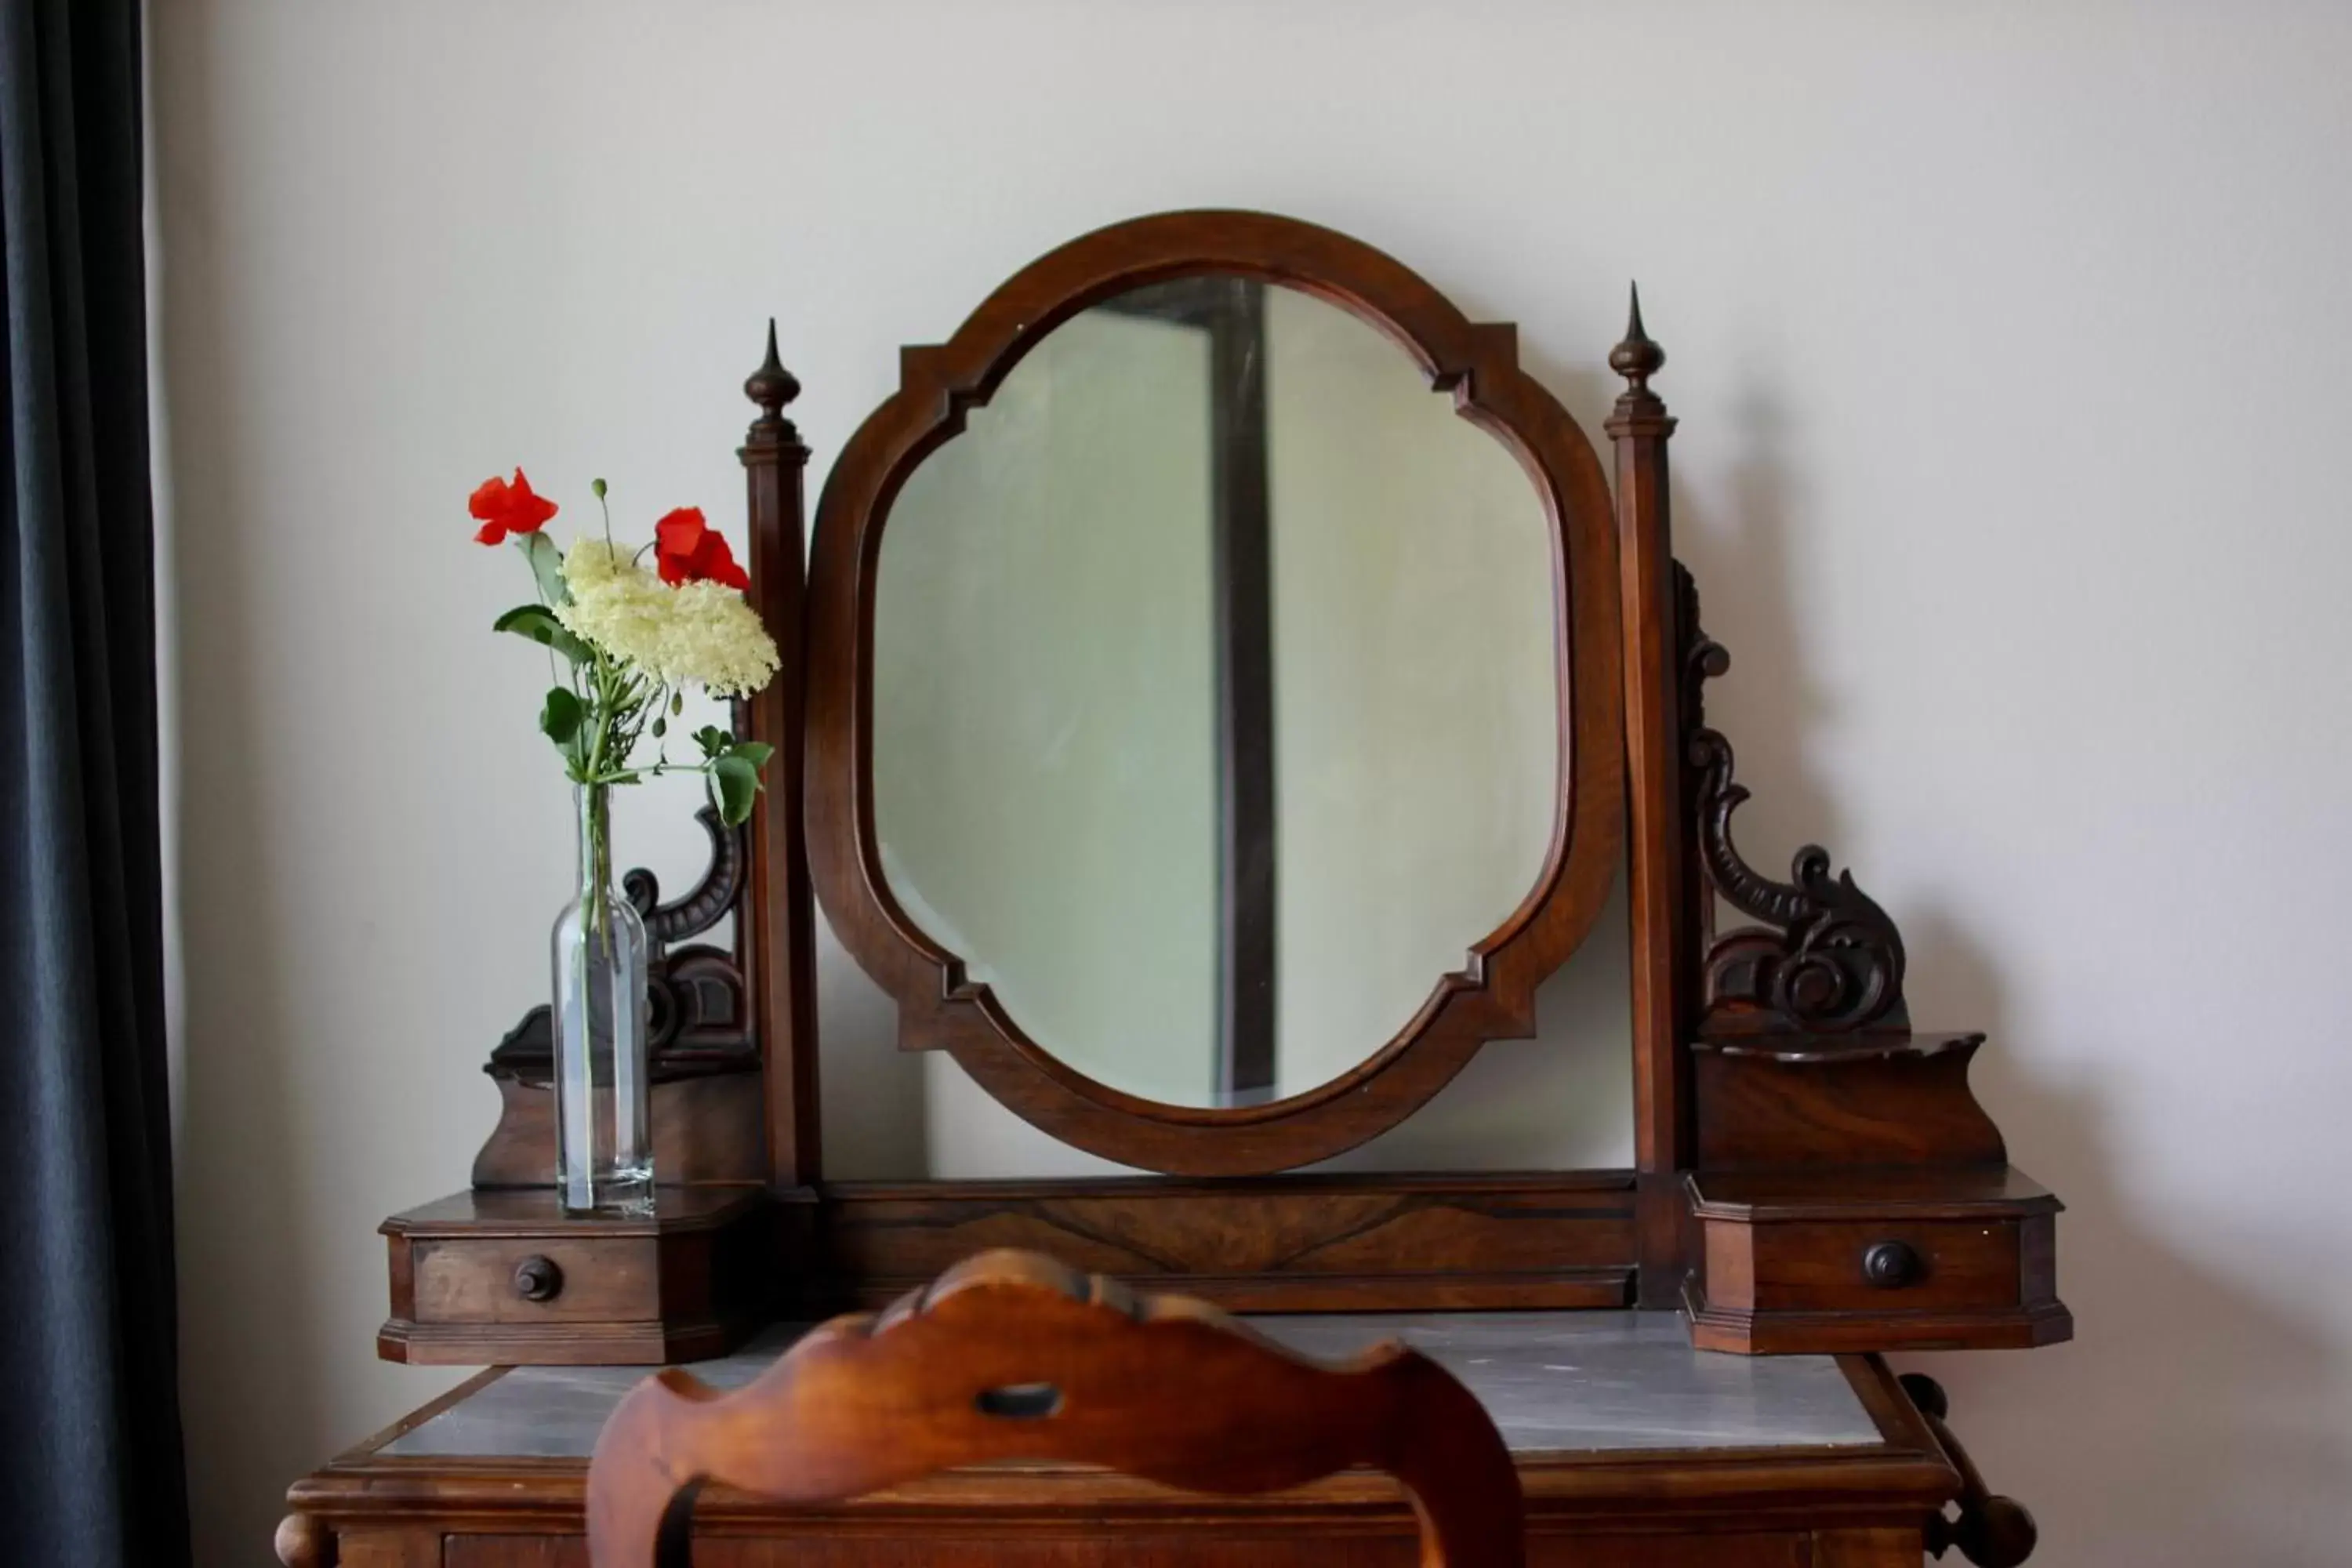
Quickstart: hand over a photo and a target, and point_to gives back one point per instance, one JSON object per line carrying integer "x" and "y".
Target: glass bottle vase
{"x": 603, "y": 1126}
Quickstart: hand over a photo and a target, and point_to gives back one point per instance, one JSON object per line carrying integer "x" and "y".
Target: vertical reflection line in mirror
{"x": 1240, "y": 562}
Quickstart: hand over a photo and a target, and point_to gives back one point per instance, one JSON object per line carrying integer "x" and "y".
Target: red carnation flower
{"x": 689, "y": 549}
{"x": 504, "y": 508}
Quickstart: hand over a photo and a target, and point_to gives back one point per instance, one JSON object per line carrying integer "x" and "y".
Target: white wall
{"x": 2013, "y": 355}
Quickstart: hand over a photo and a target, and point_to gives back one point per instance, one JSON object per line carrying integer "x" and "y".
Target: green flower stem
{"x": 595, "y": 860}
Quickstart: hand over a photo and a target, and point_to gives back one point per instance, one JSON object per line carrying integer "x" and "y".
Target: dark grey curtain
{"x": 90, "y": 1466}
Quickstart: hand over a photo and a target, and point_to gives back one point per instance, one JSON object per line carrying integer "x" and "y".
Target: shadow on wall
{"x": 874, "y": 1095}
{"x": 2189, "y": 1424}
{"x": 246, "y": 1225}
{"x": 1768, "y": 703}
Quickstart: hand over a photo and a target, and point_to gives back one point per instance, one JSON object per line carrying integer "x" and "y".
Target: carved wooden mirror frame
{"x": 1492, "y": 996}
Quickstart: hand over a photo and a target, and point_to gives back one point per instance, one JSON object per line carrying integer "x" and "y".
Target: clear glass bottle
{"x": 603, "y": 1126}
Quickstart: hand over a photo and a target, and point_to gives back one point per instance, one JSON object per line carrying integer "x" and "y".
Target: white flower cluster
{"x": 697, "y": 632}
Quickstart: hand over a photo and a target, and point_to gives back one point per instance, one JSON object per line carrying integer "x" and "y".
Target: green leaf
{"x": 677, "y": 703}
{"x": 537, "y": 623}
{"x": 560, "y": 715}
{"x": 736, "y": 781}
{"x": 547, "y": 565}
{"x": 661, "y": 726}
{"x": 755, "y": 752}
{"x": 712, "y": 739}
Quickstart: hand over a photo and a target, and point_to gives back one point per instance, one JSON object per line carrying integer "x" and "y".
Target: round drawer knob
{"x": 1891, "y": 1265}
{"x": 537, "y": 1278}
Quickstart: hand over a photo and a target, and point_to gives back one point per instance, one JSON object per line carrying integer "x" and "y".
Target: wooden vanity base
{"x": 1870, "y": 1499}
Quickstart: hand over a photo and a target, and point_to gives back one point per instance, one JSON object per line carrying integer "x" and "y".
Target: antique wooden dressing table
{"x": 1366, "y": 681}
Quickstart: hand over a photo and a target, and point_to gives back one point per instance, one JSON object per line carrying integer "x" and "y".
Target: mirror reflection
{"x": 1216, "y": 691}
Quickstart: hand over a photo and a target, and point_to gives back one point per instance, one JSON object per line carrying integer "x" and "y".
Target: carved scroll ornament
{"x": 1828, "y": 958}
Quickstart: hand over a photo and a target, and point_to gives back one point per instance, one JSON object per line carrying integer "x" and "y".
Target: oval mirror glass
{"x": 1216, "y": 705}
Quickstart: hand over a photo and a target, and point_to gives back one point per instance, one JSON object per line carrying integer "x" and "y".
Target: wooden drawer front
{"x": 1822, "y": 1266}
{"x": 597, "y": 1280}
{"x": 1207, "y": 1548}
{"x": 1276, "y": 1244}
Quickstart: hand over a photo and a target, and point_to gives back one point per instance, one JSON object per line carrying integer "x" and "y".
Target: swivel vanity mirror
{"x": 1235, "y": 689}
{"x": 1225, "y": 687}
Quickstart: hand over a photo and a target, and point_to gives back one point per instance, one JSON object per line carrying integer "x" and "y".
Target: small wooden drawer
{"x": 504, "y": 1278}
{"x": 538, "y": 1279}
{"x": 1864, "y": 1266}
{"x": 1852, "y": 1260}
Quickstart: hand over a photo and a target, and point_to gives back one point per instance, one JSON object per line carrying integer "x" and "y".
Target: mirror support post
{"x": 1663, "y": 945}
{"x": 779, "y": 915}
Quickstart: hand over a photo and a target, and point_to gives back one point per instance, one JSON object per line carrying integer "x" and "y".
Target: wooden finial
{"x": 1637, "y": 359}
{"x": 772, "y": 385}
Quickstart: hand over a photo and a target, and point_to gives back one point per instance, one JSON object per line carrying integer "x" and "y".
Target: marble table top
{"x": 1553, "y": 1381}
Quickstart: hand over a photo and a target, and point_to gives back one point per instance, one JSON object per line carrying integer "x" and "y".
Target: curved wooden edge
{"x": 1012, "y": 1356}
{"x": 1990, "y": 1529}
{"x": 1492, "y": 996}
